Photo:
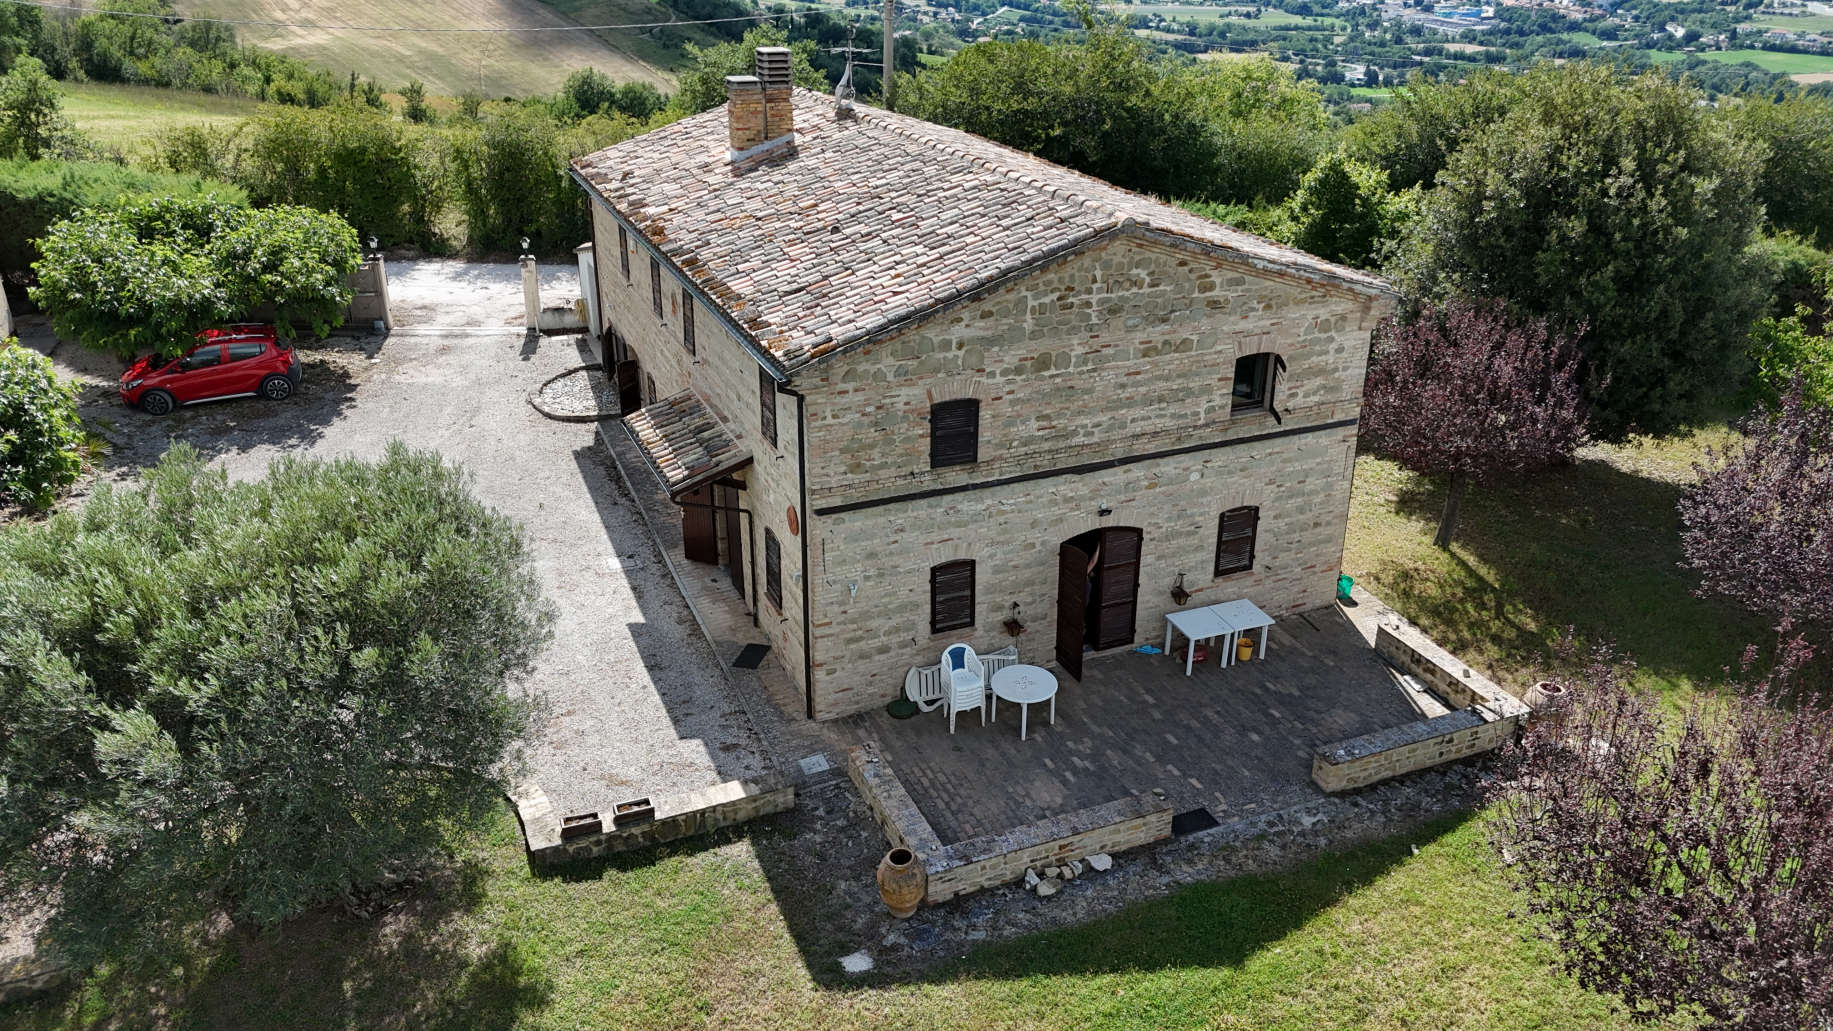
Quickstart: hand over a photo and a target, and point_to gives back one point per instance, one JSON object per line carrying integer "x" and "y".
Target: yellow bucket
{"x": 1244, "y": 648}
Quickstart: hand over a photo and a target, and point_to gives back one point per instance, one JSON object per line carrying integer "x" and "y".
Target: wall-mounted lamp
{"x": 1014, "y": 625}
{"x": 1178, "y": 594}
{"x": 1105, "y": 510}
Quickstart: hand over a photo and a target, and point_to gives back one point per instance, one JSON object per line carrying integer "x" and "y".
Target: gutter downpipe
{"x": 808, "y": 528}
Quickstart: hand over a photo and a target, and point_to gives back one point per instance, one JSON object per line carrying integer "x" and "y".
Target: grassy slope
{"x": 128, "y": 116}
{"x": 1594, "y": 546}
{"x": 661, "y": 49}
{"x": 506, "y": 63}
{"x": 1376, "y": 938}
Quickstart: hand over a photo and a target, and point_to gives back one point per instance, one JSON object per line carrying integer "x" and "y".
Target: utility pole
{"x": 890, "y": 54}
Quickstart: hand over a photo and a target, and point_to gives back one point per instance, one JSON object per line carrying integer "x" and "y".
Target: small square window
{"x": 1253, "y": 382}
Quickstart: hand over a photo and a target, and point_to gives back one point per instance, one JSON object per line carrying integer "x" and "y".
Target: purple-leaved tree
{"x": 1468, "y": 392}
{"x": 1758, "y": 526}
{"x": 1682, "y": 862}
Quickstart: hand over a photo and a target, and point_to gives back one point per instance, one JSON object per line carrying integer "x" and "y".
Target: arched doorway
{"x": 1097, "y": 593}
{"x": 629, "y": 379}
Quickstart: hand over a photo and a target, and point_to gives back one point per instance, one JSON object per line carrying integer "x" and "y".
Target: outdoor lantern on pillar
{"x": 375, "y": 249}
{"x": 525, "y": 254}
{"x": 1178, "y": 594}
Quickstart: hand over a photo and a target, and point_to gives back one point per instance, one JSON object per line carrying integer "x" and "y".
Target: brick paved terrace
{"x": 1235, "y": 741}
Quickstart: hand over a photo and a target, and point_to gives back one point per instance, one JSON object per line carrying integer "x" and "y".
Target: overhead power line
{"x": 462, "y": 29}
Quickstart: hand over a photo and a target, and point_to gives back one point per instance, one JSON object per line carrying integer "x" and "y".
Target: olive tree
{"x": 248, "y": 699}
{"x": 147, "y": 276}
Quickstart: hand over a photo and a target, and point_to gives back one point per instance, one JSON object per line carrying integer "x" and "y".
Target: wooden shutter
{"x": 773, "y": 569}
{"x": 655, "y": 285}
{"x": 766, "y": 401}
{"x": 623, "y": 251}
{"x": 687, "y": 320}
{"x": 954, "y": 433}
{"x": 951, "y": 596}
{"x": 1235, "y": 534}
{"x": 1072, "y": 608}
{"x": 1117, "y": 586}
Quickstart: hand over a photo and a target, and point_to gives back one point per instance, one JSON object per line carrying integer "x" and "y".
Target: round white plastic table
{"x": 1024, "y": 685}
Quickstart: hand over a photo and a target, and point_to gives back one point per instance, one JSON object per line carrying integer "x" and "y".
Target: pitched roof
{"x": 684, "y": 442}
{"x": 871, "y": 220}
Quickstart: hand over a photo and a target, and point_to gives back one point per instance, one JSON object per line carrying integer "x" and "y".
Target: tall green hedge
{"x": 35, "y": 194}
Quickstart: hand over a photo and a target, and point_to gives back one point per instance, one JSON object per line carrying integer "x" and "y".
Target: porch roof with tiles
{"x": 871, "y": 221}
{"x": 684, "y": 442}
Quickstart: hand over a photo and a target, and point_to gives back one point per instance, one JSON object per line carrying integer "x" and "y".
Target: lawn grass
{"x": 129, "y": 117}
{"x": 1594, "y": 546}
{"x": 1799, "y": 23}
{"x": 1411, "y": 932}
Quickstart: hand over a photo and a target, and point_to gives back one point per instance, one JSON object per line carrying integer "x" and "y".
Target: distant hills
{"x": 507, "y": 63}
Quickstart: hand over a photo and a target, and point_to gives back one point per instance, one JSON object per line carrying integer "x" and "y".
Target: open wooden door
{"x": 1117, "y": 588}
{"x": 699, "y": 534}
{"x": 629, "y": 386}
{"x": 1072, "y": 603}
{"x": 735, "y": 541}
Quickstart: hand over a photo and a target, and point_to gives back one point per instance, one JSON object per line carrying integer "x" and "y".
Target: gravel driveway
{"x": 639, "y": 705}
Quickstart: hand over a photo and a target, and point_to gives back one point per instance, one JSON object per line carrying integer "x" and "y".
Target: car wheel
{"x": 276, "y": 388}
{"x": 157, "y": 402}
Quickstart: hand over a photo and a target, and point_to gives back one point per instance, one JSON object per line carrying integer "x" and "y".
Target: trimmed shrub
{"x": 41, "y": 439}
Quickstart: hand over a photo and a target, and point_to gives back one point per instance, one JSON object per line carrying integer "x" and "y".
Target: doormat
{"x": 751, "y": 656}
{"x": 1192, "y": 821}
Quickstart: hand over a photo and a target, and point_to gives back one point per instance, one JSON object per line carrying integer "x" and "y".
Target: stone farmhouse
{"x": 910, "y": 387}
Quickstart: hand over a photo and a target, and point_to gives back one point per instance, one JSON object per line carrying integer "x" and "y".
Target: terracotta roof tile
{"x": 684, "y": 442}
{"x": 869, "y": 220}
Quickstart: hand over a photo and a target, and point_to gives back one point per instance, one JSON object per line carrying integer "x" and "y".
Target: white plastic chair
{"x": 967, "y": 682}
{"x": 993, "y": 662}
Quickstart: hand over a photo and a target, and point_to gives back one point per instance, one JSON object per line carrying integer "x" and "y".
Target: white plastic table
{"x": 1198, "y": 624}
{"x": 1242, "y": 616}
{"x": 1024, "y": 685}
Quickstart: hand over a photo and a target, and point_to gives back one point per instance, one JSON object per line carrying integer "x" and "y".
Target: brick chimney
{"x": 759, "y": 115}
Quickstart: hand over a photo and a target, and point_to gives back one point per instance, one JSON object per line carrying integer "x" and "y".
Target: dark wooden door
{"x": 1117, "y": 587}
{"x": 1072, "y": 603}
{"x": 699, "y": 534}
{"x": 735, "y": 541}
{"x": 629, "y": 387}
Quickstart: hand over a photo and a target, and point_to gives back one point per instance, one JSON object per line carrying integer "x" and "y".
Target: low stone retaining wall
{"x": 996, "y": 859}
{"x": 677, "y": 816}
{"x": 1487, "y": 718}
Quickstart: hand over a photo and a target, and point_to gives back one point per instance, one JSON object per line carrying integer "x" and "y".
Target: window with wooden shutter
{"x": 951, "y": 596}
{"x": 1253, "y": 390}
{"x": 773, "y": 569}
{"x": 623, "y": 251}
{"x": 687, "y": 320}
{"x": 954, "y": 433}
{"x": 766, "y": 400}
{"x": 1235, "y": 533}
{"x": 655, "y": 285}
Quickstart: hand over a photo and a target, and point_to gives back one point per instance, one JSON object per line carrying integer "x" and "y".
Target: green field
{"x": 1822, "y": 23}
{"x": 504, "y": 63}
{"x": 129, "y": 117}
{"x": 1269, "y": 17}
{"x": 1407, "y": 933}
{"x": 1775, "y": 61}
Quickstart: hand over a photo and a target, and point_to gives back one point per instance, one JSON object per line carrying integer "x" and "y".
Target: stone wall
{"x": 1125, "y": 351}
{"x": 725, "y": 375}
{"x": 995, "y": 859}
{"x": 871, "y": 591}
{"x": 27, "y": 976}
{"x": 677, "y": 816}
{"x": 1487, "y": 718}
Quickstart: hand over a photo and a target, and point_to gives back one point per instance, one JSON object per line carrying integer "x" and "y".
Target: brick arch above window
{"x": 957, "y": 388}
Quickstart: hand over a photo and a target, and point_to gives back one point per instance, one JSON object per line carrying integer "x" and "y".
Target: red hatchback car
{"x": 239, "y": 361}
